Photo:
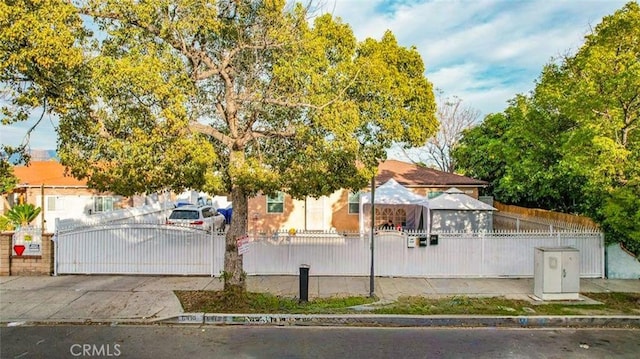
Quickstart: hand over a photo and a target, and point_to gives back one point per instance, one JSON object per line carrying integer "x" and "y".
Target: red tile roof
{"x": 49, "y": 173}
{"x": 412, "y": 175}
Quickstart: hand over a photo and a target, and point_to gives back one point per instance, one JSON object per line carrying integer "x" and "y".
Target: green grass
{"x": 217, "y": 302}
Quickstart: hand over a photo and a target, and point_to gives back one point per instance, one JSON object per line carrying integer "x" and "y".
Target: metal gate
{"x": 138, "y": 249}
{"x": 171, "y": 250}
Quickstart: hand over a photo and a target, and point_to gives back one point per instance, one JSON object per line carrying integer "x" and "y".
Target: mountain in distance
{"x": 37, "y": 155}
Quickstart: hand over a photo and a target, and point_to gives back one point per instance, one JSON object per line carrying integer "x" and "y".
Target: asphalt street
{"x": 159, "y": 342}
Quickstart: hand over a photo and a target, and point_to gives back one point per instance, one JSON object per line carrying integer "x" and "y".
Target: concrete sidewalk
{"x": 148, "y": 298}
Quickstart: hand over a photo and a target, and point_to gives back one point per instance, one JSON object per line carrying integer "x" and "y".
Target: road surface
{"x": 175, "y": 342}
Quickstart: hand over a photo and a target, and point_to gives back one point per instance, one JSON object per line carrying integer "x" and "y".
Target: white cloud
{"x": 484, "y": 52}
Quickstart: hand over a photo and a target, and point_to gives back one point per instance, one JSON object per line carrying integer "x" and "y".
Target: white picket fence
{"x": 161, "y": 249}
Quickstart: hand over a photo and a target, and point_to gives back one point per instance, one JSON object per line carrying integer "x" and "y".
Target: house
{"x": 340, "y": 210}
{"x": 45, "y": 184}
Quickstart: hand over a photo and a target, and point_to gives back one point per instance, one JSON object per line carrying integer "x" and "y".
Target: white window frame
{"x": 277, "y": 198}
{"x": 57, "y": 201}
{"x": 99, "y": 204}
{"x": 350, "y": 201}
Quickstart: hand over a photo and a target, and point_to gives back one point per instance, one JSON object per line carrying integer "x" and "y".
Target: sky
{"x": 482, "y": 51}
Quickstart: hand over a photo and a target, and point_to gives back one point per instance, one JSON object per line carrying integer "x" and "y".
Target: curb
{"x": 405, "y": 320}
{"x": 356, "y": 320}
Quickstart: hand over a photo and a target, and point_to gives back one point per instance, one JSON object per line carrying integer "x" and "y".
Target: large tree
{"x": 517, "y": 152}
{"x": 574, "y": 143}
{"x": 41, "y": 68}
{"x": 240, "y": 96}
{"x": 598, "y": 89}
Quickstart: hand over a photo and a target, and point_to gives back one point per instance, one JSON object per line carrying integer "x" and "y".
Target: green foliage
{"x": 480, "y": 152}
{"x": 5, "y": 224}
{"x": 42, "y": 67}
{"x": 8, "y": 180}
{"x": 219, "y": 302}
{"x": 23, "y": 214}
{"x": 574, "y": 143}
{"x": 621, "y": 213}
{"x": 41, "y": 57}
{"x": 240, "y": 96}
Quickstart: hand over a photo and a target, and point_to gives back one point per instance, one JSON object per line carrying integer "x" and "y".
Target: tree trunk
{"x": 234, "y": 276}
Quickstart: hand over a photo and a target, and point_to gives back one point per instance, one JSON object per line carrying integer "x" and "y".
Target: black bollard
{"x": 304, "y": 283}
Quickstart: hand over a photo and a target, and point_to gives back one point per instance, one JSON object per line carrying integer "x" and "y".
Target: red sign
{"x": 19, "y": 249}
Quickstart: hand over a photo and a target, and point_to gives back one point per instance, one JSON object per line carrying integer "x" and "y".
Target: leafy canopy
{"x": 237, "y": 96}
{"x": 41, "y": 61}
{"x": 245, "y": 93}
{"x": 574, "y": 143}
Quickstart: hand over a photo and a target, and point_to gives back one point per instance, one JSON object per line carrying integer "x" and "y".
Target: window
{"x": 55, "y": 203}
{"x": 398, "y": 216}
{"x": 102, "y": 204}
{"x": 275, "y": 203}
{"x": 207, "y": 212}
{"x": 354, "y": 202}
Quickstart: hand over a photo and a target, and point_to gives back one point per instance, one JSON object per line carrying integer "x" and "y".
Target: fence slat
{"x": 161, "y": 249}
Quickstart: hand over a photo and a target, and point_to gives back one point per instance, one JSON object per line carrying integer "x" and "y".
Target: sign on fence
{"x": 243, "y": 244}
{"x": 27, "y": 241}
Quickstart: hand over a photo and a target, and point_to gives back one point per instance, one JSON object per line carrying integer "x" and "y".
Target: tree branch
{"x": 198, "y": 127}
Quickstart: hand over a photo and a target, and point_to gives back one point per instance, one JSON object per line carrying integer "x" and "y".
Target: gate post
{"x": 213, "y": 249}
{"x": 54, "y": 239}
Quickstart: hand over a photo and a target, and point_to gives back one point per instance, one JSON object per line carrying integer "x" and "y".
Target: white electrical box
{"x": 556, "y": 273}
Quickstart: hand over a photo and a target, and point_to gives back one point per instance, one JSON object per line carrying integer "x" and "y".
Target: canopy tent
{"x": 455, "y": 211}
{"x": 392, "y": 196}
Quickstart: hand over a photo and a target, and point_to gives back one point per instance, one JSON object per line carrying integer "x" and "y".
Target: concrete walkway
{"x": 146, "y": 298}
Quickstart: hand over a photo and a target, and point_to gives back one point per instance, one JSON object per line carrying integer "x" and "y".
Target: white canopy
{"x": 455, "y": 211}
{"x": 455, "y": 199}
{"x": 393, "y": 193}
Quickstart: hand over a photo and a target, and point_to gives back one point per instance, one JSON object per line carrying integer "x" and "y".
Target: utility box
{"x": 411, "y": 242}
{"x": 556, "y": 273}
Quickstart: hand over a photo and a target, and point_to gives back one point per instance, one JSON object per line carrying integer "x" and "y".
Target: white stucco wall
{"x": 620, "y": 264}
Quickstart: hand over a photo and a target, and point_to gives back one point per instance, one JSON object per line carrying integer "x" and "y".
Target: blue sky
{"x": 483, "y": 51}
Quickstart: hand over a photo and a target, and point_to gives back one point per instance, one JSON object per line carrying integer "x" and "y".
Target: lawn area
{"x": 215, "y": 302}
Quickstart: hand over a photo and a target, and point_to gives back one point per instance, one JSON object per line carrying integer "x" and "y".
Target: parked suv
{"x": 202, "y": 217}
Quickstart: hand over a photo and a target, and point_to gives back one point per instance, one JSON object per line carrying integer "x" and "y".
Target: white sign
{"x": 27, "y": 242}
{"x": 243, "y": 244}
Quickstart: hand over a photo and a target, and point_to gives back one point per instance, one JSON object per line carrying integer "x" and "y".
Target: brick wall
{"x": 25, "y": 265}
{"x": 5, "y": 254}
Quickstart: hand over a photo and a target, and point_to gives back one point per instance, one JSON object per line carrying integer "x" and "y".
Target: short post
{"x": 304, "y": 283}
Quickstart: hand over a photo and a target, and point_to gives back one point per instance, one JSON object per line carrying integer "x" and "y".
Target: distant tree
{"x": 454, "y": 118}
